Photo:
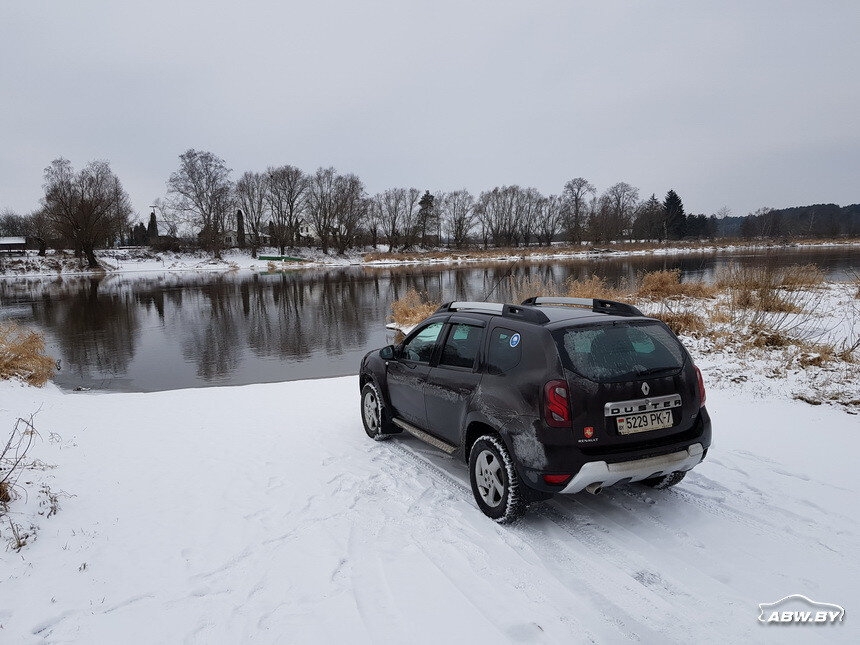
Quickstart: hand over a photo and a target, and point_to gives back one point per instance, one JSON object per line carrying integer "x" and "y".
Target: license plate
{"x": 644, "y": 422}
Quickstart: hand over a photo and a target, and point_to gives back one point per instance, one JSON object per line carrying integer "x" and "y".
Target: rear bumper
{"x": 606, "y": 474}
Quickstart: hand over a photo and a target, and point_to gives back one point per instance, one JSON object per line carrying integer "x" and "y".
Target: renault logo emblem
{"x": 645, "y": 389}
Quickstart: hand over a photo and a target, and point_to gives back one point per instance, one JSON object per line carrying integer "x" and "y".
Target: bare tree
{"x": 201, "y": 190}
{"x": 575, "y": 206}
{"x": 527, "y": 202}
{"x": 287, "y": 197}
{"x": 411, "y": 218}
{"x": 252, "y": 191}
{"x": 390, "y": 206}
{"x": 13, "y": 224}
{"x": 497, "y": 215}
{"x": 171, "y": 220}
{"x": 88, "y": 208}
{"x": 374, "y": 222}
{"x": 337, "y": 206}
{"x": 351, "y": 208}
{"x": 548, "y": 219}
{"x": 321, "y": 205}
{"x": 458, "y": 215}
{"x": 615, "y": 211}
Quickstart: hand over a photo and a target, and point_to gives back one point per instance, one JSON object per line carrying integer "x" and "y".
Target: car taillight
{"x": 701, "y": 386}
{"x": 556, "y": 410}
{"x": 556, "y": 479}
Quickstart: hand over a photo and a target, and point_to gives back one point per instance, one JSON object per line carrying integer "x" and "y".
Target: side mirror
{"x": 387, "y": 353}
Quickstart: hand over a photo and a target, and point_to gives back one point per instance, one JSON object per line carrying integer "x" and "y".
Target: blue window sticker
{"x": 515, "y": 340}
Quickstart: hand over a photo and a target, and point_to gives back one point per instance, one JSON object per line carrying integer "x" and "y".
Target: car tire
{"x": 374, "y": 413}
{"x": 665, "y": 481}
{"x": 498, "y": 489}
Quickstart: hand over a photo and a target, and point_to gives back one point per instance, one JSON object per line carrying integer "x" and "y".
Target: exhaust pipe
{"x": 594, "y": 489}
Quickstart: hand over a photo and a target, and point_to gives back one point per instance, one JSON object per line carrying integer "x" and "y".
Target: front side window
{"x": 420, "y": 347}
{"x": 461, "y": 348}
{"x": 620, "y": 352}
{"x": 505, "y": 350}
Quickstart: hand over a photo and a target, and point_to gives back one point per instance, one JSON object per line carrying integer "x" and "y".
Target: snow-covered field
{"x": 264, "y": 514}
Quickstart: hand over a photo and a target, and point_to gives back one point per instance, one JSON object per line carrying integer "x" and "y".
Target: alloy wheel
{"x": 488, "y": 476}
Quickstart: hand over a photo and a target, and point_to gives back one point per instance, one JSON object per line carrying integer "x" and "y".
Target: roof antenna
{"x": 506, "y": 274}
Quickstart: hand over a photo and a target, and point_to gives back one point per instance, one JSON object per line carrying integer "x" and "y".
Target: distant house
{"x": 13, "y": 245}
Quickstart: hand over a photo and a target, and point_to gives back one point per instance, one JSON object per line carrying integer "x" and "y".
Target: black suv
{"x": 556, "y": 395}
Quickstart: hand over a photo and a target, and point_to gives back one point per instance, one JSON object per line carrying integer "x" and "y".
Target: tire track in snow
{"x": 551, "y": 551}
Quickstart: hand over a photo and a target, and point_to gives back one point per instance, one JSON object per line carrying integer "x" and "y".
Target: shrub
{"x": 22, "y": 355}
{"x": 412, "y": 308}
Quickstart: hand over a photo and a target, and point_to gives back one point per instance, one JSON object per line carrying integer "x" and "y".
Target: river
{"x": 143, "y": 332}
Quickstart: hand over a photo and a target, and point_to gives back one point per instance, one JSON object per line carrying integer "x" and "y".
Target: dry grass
{"x": 593, "y": 287}
{"x": 22, "y": 355}
{"x": 683, "y": 322}
{"x": 801, "y": 275}
{"x": 769, "y": 290}
{"x": 412, "y": 308}
{"x": 660, "y": 285}
{"x": 769, "y": 277}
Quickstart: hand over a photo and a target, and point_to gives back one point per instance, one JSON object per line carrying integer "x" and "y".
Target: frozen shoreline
{"x": 255, "y": 513}
{"x": 135, "y": 261}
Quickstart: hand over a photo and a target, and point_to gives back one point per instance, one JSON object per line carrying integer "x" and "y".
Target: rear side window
{"x": 619, "y": 352}
{"x": 461, "y": 347}
{"x": 505, "y": 351}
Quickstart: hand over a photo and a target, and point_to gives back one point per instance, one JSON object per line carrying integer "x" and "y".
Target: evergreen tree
{"x": 139, "y": 235}
{"x": 676, "y": 220}
{"x": 240, "y": 229}
{"x": 425, "y": 215}
{"x": 152, "y": 228}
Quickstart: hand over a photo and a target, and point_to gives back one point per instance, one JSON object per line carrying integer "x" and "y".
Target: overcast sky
{"x": 743, "y": 104}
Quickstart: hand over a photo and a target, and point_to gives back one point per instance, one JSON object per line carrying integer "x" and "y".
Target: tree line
{"x": 287, "y": 207}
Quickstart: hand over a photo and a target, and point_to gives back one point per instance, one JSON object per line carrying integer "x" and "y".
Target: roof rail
{"x": 597, "y": 305}
{"x": 499, "y": 309}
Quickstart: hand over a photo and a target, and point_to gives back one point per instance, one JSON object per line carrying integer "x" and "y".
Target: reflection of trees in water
{"x": 292, "y": 315}
{"x": 212, "y": 335}
{"x": 93, "y": 328}
{"x": 275, "y": 324}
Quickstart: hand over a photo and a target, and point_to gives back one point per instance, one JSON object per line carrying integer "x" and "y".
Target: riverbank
{"x": 143, "y": 260}
{"x": 257, "y": 513}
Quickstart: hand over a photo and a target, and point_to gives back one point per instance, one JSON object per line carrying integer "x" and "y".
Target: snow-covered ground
{"x": 264, "y": 514}
{"x": 829, "y": 317}
{"x": 139, "y": 260}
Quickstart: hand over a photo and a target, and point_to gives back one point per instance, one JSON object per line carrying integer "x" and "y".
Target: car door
{"x": 454, "y": 378}
{"x": 407, "y": 373}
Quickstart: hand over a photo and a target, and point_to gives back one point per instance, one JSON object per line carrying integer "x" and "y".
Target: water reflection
{"x": 93, "y": 329}
{"x": 163, "y": 331}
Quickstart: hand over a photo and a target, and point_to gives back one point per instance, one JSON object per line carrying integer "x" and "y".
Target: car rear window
{"x": 620, "y": 352}
{"x": 461, "y": 348}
